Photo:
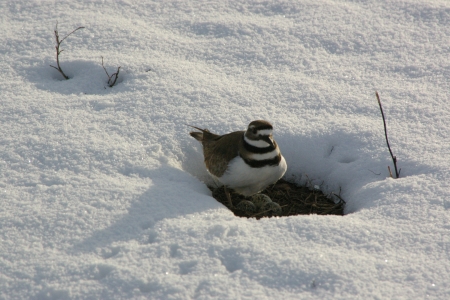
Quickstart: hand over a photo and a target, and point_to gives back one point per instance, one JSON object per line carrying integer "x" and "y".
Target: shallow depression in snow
{"x": 104, "y": 193}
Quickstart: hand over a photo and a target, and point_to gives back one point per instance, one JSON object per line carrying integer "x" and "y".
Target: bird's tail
{"x": 197, "y": 135}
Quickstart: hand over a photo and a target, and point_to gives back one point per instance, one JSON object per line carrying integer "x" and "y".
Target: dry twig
{"x": 394, "y": 158}
{"x": 113, "y": 78}
{"x": 58, "y": 50}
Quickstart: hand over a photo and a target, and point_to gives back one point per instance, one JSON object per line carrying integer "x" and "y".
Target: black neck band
{"x": 262, "y": 163}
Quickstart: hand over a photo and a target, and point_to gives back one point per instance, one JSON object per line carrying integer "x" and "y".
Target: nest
{"x": 293, "y": 199}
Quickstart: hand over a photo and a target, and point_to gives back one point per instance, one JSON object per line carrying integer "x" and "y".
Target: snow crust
{"x": 103, "y": 192}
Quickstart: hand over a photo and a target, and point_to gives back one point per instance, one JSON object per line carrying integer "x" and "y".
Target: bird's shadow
{"x": 164, "y": 199}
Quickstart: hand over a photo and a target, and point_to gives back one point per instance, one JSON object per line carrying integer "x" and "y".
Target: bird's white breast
{"x": 247, "y": 180}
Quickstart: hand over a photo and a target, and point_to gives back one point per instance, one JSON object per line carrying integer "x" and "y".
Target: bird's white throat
{"x": 257, "y": 143}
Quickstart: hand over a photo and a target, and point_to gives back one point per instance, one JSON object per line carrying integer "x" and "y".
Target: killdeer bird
{"x": 245, "y": 161}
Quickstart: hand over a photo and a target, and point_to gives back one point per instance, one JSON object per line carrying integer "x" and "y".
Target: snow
{"x": 103, "y": 191}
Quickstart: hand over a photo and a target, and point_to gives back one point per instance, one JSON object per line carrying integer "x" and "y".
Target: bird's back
{"x": 218, "y": 150}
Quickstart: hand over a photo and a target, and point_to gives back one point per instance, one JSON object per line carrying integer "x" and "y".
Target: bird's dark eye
{"x": 254, "y": 131}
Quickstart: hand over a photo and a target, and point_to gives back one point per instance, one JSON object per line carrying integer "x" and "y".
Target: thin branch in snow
{"x": 394, "y": 158}
{"x": 58, "y": 50}
{"x": 113, "y": 77}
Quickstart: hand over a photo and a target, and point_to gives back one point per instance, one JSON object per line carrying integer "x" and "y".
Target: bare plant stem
{"x": 113, "y": 78}
{"x": 58, "y": 50}
{"x": 394, "y": 158}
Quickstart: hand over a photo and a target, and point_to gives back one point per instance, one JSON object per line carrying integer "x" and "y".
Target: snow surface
{"x": 103, "y": 191}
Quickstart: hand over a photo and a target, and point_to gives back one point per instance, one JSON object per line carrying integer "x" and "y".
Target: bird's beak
{"x": 268, "y": 139}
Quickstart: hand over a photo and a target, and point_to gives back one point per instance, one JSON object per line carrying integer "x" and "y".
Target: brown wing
{"x": 219, "y": 150}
